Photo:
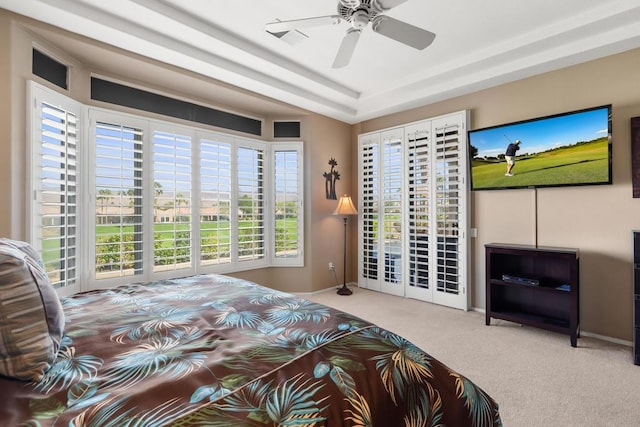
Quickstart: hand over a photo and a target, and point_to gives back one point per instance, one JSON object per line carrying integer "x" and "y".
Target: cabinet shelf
{"x": 543, "y": 305}
{"x": 543, "y": 287}
{"x": 636, "y": 296}
{"x": 526, "y": 318}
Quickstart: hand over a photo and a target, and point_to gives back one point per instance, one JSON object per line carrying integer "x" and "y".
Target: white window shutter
{"x": 216, "y": 194}
{"x": 251, "y": 203}
{"x": 54, "y": 184}
{"x": 172, "y": 201}
{"x": 118, "y": 200}
{"x": 147, "y": 201}
{"x": 288, "y": 204}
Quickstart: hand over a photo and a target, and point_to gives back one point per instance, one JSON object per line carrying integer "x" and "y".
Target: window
{"x": 54, "y": 179}
{"x": 288, "y": 199}
{"x": 419, "y": 183}
{"x": 250, "y": 192}
{"x": 215, "y": 201}
{"x": 172, "y": 232}
{"x": 370, "y": 187}
{"x": 413, "y": 210}
{"x": 161, "y": 200}
{"x": 118, "y": 201}
{"x": 391, "y": 212}
{"x": 44, "y": 66}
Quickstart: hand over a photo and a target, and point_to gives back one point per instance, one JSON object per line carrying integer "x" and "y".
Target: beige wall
{"x": 323, "y": 138}
{"x": 5, "y": 124}
{"x": 595, "y": 219}
{"x": 324, "y": 233}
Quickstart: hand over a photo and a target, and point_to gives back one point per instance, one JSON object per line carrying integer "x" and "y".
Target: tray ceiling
{"x": 477, "y": 45}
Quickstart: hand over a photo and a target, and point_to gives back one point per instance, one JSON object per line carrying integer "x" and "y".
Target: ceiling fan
{"x": 359, "y": 13}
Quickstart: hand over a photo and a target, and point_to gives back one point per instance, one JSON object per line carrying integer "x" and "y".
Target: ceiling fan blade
{"x": 282, "y": 26}
{"x": 347, "y": 47}
{"x": 381, "y": 6}
{"x": 402, "y": 32}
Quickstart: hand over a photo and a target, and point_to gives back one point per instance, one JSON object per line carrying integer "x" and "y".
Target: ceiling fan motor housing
{"x": 359, "y": 15}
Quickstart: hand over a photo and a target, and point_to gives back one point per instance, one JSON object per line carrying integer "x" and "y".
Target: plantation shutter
{"x": 288, "y": 195}
{"x": 391, "y": 213}
{"x": 172, "y": 239}
{"x": 118, "y": 200}
{"x": 55, "y": 180}
{"x": 449, "y": 190}
{"x": 381, "y": 212}
{"x": 250, "y": 196}
{"x": 419, "y": 207}
{"x": 369, "y": 197}
{"x": 139, "y": 199}
{"x": 215, "y": 202}
{"x": 412, "y": 210}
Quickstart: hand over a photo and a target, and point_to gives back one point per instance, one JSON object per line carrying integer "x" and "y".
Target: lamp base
{"x": 344, "y": 290}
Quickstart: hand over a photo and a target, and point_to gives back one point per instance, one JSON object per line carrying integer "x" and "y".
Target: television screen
{"x": 572, "y": 148}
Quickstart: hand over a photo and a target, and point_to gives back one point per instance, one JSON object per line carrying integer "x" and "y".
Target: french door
{"x": 381, "y": 211}
{"x": 413, "y": 211}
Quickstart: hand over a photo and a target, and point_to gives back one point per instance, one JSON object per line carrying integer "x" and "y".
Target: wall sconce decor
{"x": 330, "y": 179}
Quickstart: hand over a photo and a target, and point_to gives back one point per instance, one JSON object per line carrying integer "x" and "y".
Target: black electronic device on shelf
{"x": 520, "y": 280}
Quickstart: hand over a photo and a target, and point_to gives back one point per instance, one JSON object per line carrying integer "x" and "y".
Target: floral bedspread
{"x": 219, "y": 351}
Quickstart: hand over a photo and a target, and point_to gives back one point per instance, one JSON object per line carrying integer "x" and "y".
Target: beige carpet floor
{"x": 536, "y": 377}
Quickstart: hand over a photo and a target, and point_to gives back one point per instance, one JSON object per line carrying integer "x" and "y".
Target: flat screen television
{"x": 572, "y": 148}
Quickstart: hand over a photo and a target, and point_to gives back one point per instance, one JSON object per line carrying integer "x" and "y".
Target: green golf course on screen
{"x": 566, "y": 149}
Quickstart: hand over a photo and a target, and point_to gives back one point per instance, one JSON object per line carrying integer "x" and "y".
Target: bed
{"x": 220, "y": 351}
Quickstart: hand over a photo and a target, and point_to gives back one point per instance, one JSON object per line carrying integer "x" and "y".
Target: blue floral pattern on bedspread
{"x": 219, "y": 351}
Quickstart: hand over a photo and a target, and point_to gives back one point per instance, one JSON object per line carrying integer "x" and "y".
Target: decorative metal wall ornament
{"x": 330, "y": 179}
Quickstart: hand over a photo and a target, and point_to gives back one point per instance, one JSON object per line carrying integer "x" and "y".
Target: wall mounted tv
{"x": 572, "y": 148}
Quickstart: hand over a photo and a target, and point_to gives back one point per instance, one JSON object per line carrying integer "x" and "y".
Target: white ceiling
{"x": 478, "y": 44}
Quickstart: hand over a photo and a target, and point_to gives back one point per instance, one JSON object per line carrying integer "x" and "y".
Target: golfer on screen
{"x": 510, "y": 156}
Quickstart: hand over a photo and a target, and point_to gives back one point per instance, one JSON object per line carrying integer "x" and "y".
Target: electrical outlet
{"x": 331, "y": 267}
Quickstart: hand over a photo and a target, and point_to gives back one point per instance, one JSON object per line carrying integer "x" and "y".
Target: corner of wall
{"x": 6, "y": 137}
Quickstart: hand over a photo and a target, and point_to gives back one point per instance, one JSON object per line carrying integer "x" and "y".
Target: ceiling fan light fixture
{"x": 360, "y": 19}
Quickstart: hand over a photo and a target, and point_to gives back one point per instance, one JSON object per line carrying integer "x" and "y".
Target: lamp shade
{"x": 345, "y": 206}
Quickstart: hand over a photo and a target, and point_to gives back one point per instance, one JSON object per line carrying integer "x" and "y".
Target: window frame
{"x": 183, "y": 131}
{"x": 94, "y": 116}
{"x": 298, "y": 148}
{"x": 89, "y": 116}
{"x": 37, "y": 95}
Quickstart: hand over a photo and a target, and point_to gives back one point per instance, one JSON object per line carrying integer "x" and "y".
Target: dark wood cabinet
{"x": 534, "y": 286}
{"x": 636, "y": 297}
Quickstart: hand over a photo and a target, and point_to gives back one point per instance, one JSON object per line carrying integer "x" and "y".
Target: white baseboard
{"x": 331, "y": 288}
{"x": 582, "y": 333}
{"x": 606, "y": 338}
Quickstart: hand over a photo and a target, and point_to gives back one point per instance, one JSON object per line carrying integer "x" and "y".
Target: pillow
{"x": 24, "y": 247}
{"x": 31, "y": 316}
